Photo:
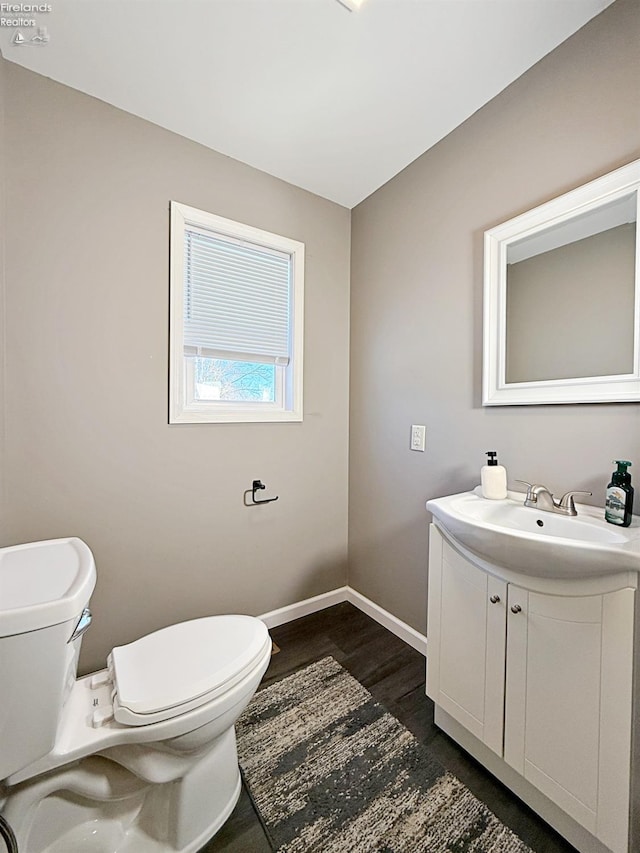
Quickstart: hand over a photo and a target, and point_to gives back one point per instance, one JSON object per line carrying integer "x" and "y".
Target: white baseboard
{"x": 405, "y": 632}
{"x": 410, "y": 636}
{"x": 303, "y": 608}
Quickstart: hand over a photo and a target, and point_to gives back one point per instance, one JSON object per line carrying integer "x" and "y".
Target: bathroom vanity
{"x": 530, "y": 660}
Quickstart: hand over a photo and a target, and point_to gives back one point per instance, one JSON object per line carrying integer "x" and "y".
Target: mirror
{"x": 562, "y": 298}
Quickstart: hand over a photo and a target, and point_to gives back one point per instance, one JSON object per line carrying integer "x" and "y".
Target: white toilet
{"x": 137, "y": 758}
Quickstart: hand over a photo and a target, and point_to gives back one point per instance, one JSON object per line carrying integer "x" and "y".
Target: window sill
{"x": 234, "y": 416}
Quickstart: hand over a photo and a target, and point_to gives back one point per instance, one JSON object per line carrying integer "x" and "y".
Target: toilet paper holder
{"x": 257, "y": 486}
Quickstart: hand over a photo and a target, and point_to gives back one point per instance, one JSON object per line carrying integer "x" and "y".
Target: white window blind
{"x": 237, "y": 299}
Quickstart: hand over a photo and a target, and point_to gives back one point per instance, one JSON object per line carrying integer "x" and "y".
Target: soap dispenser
{"x": 493, "y": 478}
{"x": 619, "y": 502}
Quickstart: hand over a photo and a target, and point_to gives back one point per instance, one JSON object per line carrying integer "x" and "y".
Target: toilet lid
{"x": 180, "y": 664}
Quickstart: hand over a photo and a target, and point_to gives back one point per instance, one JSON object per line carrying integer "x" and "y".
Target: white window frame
{"x": 183, "y": 406}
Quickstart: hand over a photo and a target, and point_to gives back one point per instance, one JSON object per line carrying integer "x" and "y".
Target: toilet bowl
{"x": 137, "y": 758}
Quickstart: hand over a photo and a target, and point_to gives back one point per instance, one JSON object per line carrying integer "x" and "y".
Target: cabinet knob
{"x": 516, "y": 608}
{"x": 494, "y": 599}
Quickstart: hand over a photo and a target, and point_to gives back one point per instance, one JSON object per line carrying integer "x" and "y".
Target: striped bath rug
{"x": 331, "y": 771}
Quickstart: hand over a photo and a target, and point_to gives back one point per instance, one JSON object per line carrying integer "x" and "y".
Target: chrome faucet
{"x": 539, "y": 497}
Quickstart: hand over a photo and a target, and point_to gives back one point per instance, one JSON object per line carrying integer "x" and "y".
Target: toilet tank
{"x": 44, "y": 589}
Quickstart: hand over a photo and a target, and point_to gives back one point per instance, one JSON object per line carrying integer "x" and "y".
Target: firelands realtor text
{"x": 20, "y": 9}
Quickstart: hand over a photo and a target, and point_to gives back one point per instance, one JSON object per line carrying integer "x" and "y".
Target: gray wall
{"x": 416, "y": 330}
{"x": 88, "y": 451}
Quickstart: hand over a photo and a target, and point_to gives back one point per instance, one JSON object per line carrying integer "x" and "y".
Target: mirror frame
{"x": 588, "y": 389}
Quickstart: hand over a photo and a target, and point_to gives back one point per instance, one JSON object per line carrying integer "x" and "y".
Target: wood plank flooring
{"x": 394, "y": 674}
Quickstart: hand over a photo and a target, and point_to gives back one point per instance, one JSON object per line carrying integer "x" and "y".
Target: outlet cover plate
{"x": 418, "y": 437}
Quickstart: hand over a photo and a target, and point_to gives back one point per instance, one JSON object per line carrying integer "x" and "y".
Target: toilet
{"x": 137, "y": 758}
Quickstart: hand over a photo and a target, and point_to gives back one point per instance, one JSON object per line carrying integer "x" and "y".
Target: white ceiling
{"x": 336, "y": 102}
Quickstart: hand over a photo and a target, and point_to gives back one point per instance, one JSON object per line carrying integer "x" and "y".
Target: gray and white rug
{"x": 332, "y": 772}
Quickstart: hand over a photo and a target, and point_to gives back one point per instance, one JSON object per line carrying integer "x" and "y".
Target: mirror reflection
{"x": 570, "y": 305}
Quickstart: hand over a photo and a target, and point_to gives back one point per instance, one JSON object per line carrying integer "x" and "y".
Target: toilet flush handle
{"x": 83, "y": 623}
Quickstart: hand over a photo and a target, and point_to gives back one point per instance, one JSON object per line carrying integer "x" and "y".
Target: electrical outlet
{"x": 418, "y": 436}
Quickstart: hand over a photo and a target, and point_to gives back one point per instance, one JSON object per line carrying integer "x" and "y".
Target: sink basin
{"x": 542, "y": 544}
{"x": 44, "y": 583}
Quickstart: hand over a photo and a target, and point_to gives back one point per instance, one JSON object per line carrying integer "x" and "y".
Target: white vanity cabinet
{"x": 539, "y": 671}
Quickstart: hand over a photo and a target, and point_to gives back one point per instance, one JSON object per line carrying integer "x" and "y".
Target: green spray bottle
{"x": 619, "y": 502}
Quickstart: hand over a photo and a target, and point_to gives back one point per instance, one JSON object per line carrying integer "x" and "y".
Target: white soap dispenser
{"x": 493, "y": 478}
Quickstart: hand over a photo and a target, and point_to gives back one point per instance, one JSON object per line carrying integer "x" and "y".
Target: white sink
{"x": 44, "y": 583}
{"x": 541, "y": 544}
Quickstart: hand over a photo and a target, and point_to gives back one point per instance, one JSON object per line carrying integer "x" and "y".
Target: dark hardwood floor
{"x": 394, "y": 674}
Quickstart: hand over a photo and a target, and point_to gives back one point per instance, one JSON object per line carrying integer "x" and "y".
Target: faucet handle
{"x": 566, "y": 501}
{"x": 528, "y": 485}
{"x": 531, "y": 498}
{"x": 537, "y": 495}
{"x": 533, "y": 489}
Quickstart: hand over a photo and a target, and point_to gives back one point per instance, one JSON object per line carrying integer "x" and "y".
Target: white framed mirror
{"x": 562, "y": 298}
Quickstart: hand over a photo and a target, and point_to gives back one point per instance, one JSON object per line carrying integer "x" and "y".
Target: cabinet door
{"x": 466, "y": 642}
{"x": 568, "y": 683}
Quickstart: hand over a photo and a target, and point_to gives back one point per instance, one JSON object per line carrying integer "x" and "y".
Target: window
{"x": 236, "y": 321}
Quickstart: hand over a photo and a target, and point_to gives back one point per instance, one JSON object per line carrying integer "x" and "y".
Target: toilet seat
{"x": 183, "y": 666}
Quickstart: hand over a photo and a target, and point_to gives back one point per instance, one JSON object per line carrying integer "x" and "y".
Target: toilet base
{"x": 104, "y": 834}
{"x": 96, "y": 806}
